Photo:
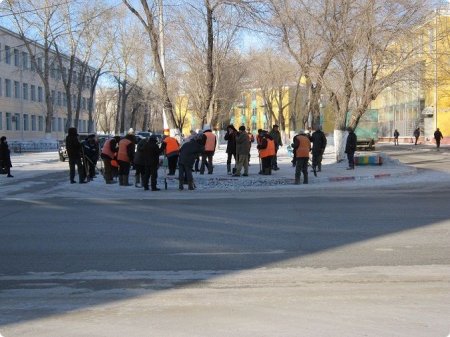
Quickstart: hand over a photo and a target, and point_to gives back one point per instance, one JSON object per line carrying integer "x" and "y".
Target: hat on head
{"x": 242, "y": 128}
{"x": 3, "y": 138}
{"x": 275, "y": 126}
{"x": 130, "y": 131}
{"x": 206, "y": 127}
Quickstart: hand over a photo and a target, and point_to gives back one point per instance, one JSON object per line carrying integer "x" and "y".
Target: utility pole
{"x": 163, "y": 59}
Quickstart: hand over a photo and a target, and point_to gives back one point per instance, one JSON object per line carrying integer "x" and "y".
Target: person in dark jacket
{"x": 350, "y": 148}
{"x": 5, "y": 157}
{"x": 437, "y": 137}
{"x": 150, "y": 153}
{"x": 230, "y": 137}
{"x": 73, "y": 148}
{"x": 276, "y": 136}
{"x": 91, "y": 153}
{"x": 319, "y": 143}
{"x": 189, "y": 151}
{"x": 396, "y": 135}
{"x": 416, "y": 135}
{"x": 139, "y": 164}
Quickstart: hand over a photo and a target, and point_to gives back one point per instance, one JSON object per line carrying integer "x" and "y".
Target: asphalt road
{"x": 326, "y": 263}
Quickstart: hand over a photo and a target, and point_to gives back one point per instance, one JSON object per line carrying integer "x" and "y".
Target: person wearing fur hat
{"x": 5, "y": 157}
{"x": 74, "y": 152}
{"x": 302, "y": 147}
{"x": 210, "y": 148}
{"x": 319, "y": 143}
{"x": 230, "y": 137}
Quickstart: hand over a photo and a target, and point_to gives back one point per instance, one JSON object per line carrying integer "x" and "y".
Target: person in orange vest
{"x": 109, "y": 153}
{"x": 172, "y": 150}
{"x": 210, "y": 148}
{"x": 266, "y": 152}
{"x": 302, "y": 147}
{"x": 125, "y": 157}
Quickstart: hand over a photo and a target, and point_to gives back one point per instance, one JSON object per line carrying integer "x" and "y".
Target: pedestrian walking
{"x": 319, "y": 143}
{"x": 438, "y": 137}
{"x": 109, "y": 157}
{"x": 151, "y": 152}
{"x": 276, "y": 136}
{"x": 302, "y": 147}
{"x": 74, "y": 152}
{"x": 396, "y": 135}
{"x": 350, "y": 148}
{"x": 266, "y": 152}
{"x": 210, "y": 148}
{"x": 5, "y": 157}
{"x": 416, "y": 135}
{"x": 189, "y": 151}
{"x": 242, "y": 151}
{"x": 230, "y": 137}
{"x": 125, "y": 157}
{"x": 172, "y": 149}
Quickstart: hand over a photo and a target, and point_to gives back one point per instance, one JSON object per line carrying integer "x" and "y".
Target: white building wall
{"x": 22, "y": 96}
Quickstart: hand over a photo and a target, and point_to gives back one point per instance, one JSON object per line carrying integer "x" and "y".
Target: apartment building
{"x": 22, "y": 96}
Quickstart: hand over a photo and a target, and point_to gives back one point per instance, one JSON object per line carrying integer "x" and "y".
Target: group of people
{"x": 416, "y": 134}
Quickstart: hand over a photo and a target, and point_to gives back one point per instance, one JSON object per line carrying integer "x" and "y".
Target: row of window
{"x": 22, "y": 59}
{"x": 27, "y": 122}
{"x": 36, "y": 94}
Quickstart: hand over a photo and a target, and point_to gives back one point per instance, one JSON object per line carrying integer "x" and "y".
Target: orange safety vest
{"x": 122, "y": 155}
{"x": 106, "y": 150}
{"x": 172, "y": 145}
{"x": 210, "y": 145}
{"x": 269, "y": 150}
{"x": 304, "y": 146}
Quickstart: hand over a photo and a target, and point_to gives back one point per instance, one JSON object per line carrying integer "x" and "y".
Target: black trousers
{"x": 172, "y": 163}
{"x": 150, "y": 172}
{"x": 76, "y": 161}
{"x": 351, "y": 159}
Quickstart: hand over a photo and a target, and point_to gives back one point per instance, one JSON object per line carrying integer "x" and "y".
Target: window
{"x": 24, "y": 60}
{"x": 41, "y": 123}
{"x": 16, "y": 89}
{"x": 1, "y": 86}
{"x": 39, "y": 63}
{"x": 40, "y": 95}
{"x": 32, "y": 66}
{"x": 53, "y": 97}
{"x": 84, "y": 103}
{"x": 25, "y": 91}
{"x": 7, "y": 55}
{"x": 64, "y": 100}
{"x": 16, "y": 57}
{"x": 33, "y": 92}
{"x": 25, "y": 122}
{"x": 74, "y": 77}
{"x": 52, "y": 72}
{"x": 33, "y": 122}
{"x": 8, "y": 89}
{"x": 17, "y": 120}
{"x": 8, "y": 121}
{"x": 54, "y": 125}
{"x": 60, "y": 124}
{"x": 1, "y": 52}
{"x": 74, "y": 101}
{"x": 59, "y": 102}
{"x": 1, "y": 120}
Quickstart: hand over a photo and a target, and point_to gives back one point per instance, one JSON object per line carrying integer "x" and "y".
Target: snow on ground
{"x": 28, "y": 167}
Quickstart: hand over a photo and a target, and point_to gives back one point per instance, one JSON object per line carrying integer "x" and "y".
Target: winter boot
{"x": 121, "y": 180}
{"x": 319, "y": 167}
{"x": 267, "y": 171}
{"x": 137, "y": 181}
{"x": 191, "y": 185}
{"x": 297, "y": 180}
{"x": 180, "y": 186}
{"x": 126, "y": 180}
{"x": 229, "y": 169}
{"x": 305, "y": 179}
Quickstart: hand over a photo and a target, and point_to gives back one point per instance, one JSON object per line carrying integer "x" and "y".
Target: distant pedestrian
{"x": 210, "y": 148}
{"x": 302, "y": 147}
{"x": 74, "y": 152}
{"x": 276, "y": 136}
{"x": 416, "y": 135}
{"x": 396, "y": 135}
{"x": 438, "y": 137}
{"x": 350, "y": 148}
{"x": 319, "y": 143}
{"x": 5, "y": 157}
{"x": 230, "y": 137}
{"x": 189, "y": 151}
{"x": 242, "y": 150}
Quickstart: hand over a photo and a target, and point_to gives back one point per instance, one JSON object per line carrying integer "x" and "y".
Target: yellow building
{"x": 423, "y": 101}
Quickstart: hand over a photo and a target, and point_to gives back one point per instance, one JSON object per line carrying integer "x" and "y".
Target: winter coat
{"x": 416, "y": 133}
{"x": 5, "y": 155}
{"x": 319, "y": 142}
{"x": 438, "y": 135}
{"x": 350, "y": 145}
{"x": 242, "y": 143}
{"x": 302, "y": 146}
{"x": 91, "y": 150}
{"x": 151, "y": 152}
{"x": 73, "y": 145}
{"x": 189, "y": 152}
{"x": 396, "y": 134}
{"x": 276, "y": 136}
{"x": 230, "y": 137}
{"x": 138, "y": 155}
